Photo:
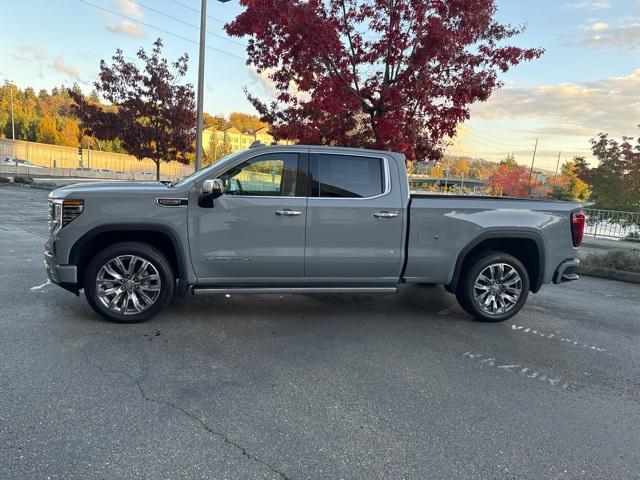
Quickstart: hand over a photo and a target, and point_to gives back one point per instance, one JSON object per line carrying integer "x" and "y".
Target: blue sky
{"x": 587, "y": 81}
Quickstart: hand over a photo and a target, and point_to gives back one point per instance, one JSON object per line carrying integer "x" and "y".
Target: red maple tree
{"x": 511, "y": 180}
{"x": 150, "y": 112}
{"x": 389, "y": 74}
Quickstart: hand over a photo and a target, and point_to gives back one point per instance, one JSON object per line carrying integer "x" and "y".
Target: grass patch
{"x": 625, "y": 260}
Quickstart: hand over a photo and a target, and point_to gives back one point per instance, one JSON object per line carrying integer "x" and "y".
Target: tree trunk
{"x": 157, "y": 170}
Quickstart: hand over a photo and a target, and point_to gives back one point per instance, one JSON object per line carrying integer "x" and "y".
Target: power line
{"x": 487, "y": 134}
{"x": 159, "y": 12}
{"x": 159, "y": 29}
{"x": 511, "y": 144}
{"x": 188, "y": 7}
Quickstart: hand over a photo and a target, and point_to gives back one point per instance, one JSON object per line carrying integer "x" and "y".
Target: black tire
{"x": 157, "y": 261}
{"x": 465, "y": 293}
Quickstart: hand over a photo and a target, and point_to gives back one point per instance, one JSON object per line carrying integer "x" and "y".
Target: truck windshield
{"x": 205, "y": 171}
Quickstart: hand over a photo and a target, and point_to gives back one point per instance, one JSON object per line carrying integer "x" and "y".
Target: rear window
{"x": 346, "y": 176}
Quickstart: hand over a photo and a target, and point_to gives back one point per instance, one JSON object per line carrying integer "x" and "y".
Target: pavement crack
{"x": 145, "y": 396}
{"x": 210, "y": 430}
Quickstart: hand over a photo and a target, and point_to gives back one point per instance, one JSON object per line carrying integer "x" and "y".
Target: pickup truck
{"x": 303, "y": 219}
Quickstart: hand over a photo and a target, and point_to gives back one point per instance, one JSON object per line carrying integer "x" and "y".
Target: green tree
{"x": 48, "y": 130}
{"x": 568, "y": 185}
{"x": 616, "y": 179}
{"x": 245, "y": 122}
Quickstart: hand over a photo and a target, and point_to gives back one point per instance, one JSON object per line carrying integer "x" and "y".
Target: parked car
{"x": 303, "y": 219}
{"x": 9, "y": 161}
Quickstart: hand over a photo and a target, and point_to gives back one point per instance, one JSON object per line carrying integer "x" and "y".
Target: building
{"x": 218, "y": 143}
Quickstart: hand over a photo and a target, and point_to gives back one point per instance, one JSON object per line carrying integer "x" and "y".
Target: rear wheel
{"x": 129, "y": 282}
{"x": 494, "y": 287}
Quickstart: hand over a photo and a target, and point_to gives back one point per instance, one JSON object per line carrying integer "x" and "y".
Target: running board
{"x": 270, "y": 290}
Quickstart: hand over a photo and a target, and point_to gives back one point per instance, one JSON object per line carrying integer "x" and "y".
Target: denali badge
{"x": 172, "y": 202}
{"x": 228, "y": 259}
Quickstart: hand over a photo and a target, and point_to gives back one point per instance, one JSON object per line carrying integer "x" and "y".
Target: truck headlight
{"x": 62, "y": 212}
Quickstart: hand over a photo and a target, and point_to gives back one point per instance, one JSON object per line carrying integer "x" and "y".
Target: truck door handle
{"x": 288, "y": 213}
{"x": 385, "y": 214}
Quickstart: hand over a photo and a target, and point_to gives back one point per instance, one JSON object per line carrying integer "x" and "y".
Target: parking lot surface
{"x": 311, "y": 386}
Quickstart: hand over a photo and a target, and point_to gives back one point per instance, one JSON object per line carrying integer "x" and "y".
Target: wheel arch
{"x": 527, "y": 246}
{"x": 161, "y": 237}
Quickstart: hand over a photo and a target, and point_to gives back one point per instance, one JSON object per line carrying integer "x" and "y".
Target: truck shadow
{"x": 414, "y": 302}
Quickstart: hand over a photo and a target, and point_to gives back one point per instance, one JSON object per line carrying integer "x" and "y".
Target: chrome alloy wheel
{"x": 128, "y": 284}
{"x": 497, "y": 288}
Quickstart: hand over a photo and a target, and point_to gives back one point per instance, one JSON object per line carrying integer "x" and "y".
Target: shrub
{"x": 627, "y": 260}
{"x": 23, "y": 179}
{"x": 633, "y": 237}
{"x": 4, "y": 180}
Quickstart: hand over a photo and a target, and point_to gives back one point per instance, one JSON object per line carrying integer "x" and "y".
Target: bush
{"x": 626, "y": 260}
{"x": 4, "y": 180}
{"x": 23, "y": 179}
{"x": 633, "y": 237}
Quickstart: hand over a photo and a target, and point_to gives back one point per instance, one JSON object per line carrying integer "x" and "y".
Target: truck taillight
{"x": 577, "y": 227}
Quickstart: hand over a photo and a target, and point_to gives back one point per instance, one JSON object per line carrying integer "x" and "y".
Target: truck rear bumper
{"x": 566, "y": 271}
{"x": 64, "y": 275}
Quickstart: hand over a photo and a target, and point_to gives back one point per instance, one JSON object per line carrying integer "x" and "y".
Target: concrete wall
{"x": 58, "y": 157}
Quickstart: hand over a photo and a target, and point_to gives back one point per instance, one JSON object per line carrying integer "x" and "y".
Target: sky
{"x": 587, "y": 81}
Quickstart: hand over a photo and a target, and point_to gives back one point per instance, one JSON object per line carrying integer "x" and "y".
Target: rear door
{"x": 354, "y": 220}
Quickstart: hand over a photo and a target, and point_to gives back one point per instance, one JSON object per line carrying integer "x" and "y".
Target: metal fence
{"x": 612, "y": 224}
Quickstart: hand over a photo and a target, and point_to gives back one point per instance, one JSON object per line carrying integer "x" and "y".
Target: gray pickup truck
{"x": 303, "y": 219}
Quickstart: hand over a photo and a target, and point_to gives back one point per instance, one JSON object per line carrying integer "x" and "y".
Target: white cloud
{"x": 127, "y": 28}
{"x": 69, "y": 70}
{"x": 263, "y": 81}
{"x": 590, "y": 5}
{"x": 29, "y": 51}
{"x": 128, "y": 8}
{"x": 571, "y": 109}
{"x": 602, "y": 36}
{"x": 597, "y": 27}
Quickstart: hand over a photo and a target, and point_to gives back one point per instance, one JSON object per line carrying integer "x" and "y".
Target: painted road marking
{"x": 520, "y": 369}
{"x": 40, "y": 287}
{"x": 558, "y": 336}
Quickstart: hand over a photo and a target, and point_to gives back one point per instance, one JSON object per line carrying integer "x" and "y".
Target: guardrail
{"x": 612, "y": 224}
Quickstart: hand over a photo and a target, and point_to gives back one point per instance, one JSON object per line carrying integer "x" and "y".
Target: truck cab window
{"x": 347, "y": 176}
{"x": 267, "y": 175}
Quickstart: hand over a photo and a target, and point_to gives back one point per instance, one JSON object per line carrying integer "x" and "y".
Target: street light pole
{"x": 200, "y": 100}
{"x": 200, "y": 96}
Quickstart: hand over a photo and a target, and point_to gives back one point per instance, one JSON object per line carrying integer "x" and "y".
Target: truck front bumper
{"x": 566, "y": 271}
{"x": 64, "y": 275}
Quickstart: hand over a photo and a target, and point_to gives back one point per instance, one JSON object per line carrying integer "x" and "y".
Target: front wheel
{"x": 129, "y": 282}
{"x": 494, "y": 287}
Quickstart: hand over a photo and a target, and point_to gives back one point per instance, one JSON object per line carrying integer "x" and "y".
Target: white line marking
{"x": 557, "y": 335}
{"x": 39, "y": 287}
{"x": 526, "y": 372}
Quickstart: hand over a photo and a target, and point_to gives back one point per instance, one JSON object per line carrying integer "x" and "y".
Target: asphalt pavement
{"x": 311, "y": 386}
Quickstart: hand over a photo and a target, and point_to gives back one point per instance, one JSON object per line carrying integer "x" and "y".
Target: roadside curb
{"x": 610, "y": 273}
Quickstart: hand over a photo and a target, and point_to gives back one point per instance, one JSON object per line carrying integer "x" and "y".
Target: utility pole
{"x": 13, "y": 126}
{"x": 200, "y": 96}
{"x": 533, "y": 160}
{"x": 203, "y": 34}
{"x": 557, "y": 164}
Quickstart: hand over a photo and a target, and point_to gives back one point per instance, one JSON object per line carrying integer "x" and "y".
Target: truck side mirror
{"x": 213, "y": 187}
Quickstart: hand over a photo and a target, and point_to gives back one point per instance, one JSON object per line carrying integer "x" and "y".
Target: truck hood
{"x": 108, "y": 188}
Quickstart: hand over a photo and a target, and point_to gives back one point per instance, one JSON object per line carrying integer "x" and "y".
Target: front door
{"x": 354, "y": 220}
{"x": 255, "y": 231}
